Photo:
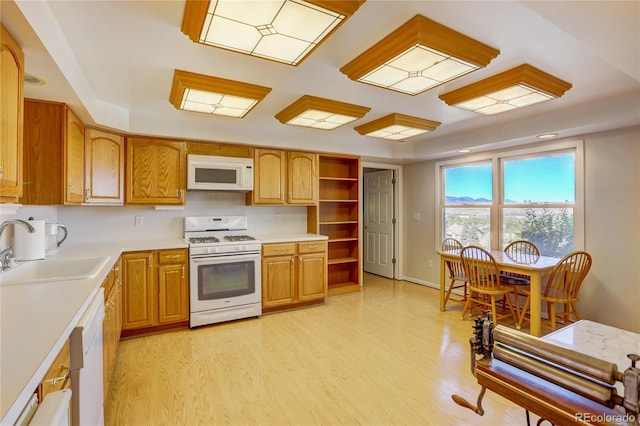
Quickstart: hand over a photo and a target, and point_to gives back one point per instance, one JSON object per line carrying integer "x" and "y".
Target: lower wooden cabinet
{"x": 293, "y": 274}
{"x": 155, "y": 290}
{"x": 112, "y": 324}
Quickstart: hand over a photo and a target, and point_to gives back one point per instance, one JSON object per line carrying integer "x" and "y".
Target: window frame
{"x": 497, "y": 158}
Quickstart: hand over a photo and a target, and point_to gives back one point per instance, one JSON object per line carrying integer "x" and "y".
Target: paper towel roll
{"x": 29, "y": 245}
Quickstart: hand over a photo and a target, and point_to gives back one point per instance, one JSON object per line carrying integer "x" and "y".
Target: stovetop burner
{"x": 201, "y": 240}
{"x": 239, "y": 238}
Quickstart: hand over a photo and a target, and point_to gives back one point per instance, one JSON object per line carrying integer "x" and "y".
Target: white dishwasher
{"x": 86, "y": 366}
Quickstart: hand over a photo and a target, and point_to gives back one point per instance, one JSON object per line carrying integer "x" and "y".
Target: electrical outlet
{"x": 416, "y": 216}
{"x": 429, "y": 263}
{"x": 139, "y": 220}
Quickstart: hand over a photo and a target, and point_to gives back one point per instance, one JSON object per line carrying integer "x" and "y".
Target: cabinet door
{"x": 104, "y": 167}
{"x": 11, "y": 114}
{"x": 173, "y": 294}
{"x": 155, "y": 171}
{"x": 302, "y": 178}
{"x": 278, "y": 281}
{"x": 73, "y": 160}
{"x": 269, "y": 176}
{"x": 312, "y": 276}
{"x": 139, "y": 295}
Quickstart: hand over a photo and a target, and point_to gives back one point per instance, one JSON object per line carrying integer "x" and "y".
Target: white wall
{"x": 101, "y": 224}
{"x": 611, "y": 291}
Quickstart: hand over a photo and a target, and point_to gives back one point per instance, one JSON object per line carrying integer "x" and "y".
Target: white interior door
{"x": 378, "y": 223}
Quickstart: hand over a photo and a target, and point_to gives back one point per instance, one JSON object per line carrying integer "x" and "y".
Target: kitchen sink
{"x": 53, "y": 270}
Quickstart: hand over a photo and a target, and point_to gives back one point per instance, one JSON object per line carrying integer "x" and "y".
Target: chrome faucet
{"x": 6, "y": 254}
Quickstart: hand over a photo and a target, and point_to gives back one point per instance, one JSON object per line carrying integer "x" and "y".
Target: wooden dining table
{"x": 535, "y": 267}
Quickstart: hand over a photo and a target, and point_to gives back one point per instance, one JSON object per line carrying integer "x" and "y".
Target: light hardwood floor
{"x": 386, "y": 356}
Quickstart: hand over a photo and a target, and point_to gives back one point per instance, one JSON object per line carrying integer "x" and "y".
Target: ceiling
{"x": 113, "y": 63}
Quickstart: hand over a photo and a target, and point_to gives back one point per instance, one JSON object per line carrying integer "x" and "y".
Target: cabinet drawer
{"x": 278, "y": 249}
{"x": 57, "y": 377}
{"x": 172, "y": 256}
{"x": 312, "y": 247}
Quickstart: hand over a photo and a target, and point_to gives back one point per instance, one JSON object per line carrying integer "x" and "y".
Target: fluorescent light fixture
{"x": 319, "y": 113}
{"x": 396, "y": 127}
{"x": 212, "y": 95}
{"x": 515, "y": 88}
{"x": 418, "y": 56}
{"x": 285, "y": 31}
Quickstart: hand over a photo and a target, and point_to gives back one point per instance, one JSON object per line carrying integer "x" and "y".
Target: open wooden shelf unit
{"x": 338, "y": 216}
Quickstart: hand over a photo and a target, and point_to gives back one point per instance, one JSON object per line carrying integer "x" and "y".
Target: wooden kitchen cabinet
{"x": 284, "y": 177}
{"x": 53, "y": 154}
{"x": 293, "y": 274}
{"x": 104, "y": 167}
{"x": 11, "y": 114}
{"x": 155, "y": 290}
{"x": 155, "y": 171}
{"x": 112, "y": 323}
{"x": 173, "y": 287}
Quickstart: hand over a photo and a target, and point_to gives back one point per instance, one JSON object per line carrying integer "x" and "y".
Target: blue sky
{"x": 540, "y": 179}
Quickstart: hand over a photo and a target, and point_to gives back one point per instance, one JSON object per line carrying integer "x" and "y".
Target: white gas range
{"x": 225, "y": 269}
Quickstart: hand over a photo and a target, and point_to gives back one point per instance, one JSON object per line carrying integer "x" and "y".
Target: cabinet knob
{"x": 149, "y": 258}
{"x": 182, "y": 271}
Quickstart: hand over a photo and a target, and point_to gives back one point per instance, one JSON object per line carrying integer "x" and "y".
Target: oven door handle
{"x": 209, "y": 258}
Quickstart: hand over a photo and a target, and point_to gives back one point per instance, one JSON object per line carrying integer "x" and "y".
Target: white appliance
{"x": 216, "y": 173}
{"x": 224, "y": 269}
{"x": 54, "y": 410}
{"x": 86, "y": 366}
{"x": 29, "y": 245}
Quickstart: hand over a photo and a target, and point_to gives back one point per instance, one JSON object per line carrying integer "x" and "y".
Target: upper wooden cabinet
{"x": 302, "y": 178}
{"x": 11, "y": 114}
{"x": 104, "y": 167}
{"x": 282, "y": 177}
{"x": 156, "y": 171}
{"x": 53, "y": 154}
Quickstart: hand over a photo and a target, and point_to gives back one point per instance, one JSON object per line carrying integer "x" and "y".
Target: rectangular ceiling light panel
{"x": 216, "y": 103}
{"x": 418, "y": 56}
{"x": 319, "y": 113}
{"x": 396, "y": 127}
{"x": 518, "y": 87}
{"x": 213, "y": 95}
{"x": 280, "y": 30}
{"x": 417, "y": 70}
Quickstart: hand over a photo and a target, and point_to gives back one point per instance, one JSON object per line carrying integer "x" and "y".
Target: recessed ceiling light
{"x": 33, "y": 79}
{"x": 547, "y": 136}
{"x": 464, "y": 151}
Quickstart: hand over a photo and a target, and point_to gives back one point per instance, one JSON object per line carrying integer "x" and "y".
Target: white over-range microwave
{"x": 216, "y": 173}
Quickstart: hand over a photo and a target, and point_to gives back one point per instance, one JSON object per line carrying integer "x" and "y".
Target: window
{"x": 533, "y": 194}
{"x": 468, "y": 198}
